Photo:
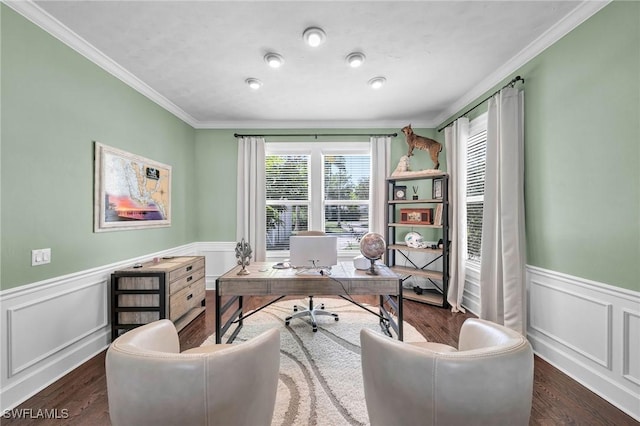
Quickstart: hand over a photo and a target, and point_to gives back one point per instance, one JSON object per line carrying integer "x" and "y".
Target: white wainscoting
{"x": 471, "y": 292}
{"x": 50, "y": 327}
{"x": 590, "y": 331}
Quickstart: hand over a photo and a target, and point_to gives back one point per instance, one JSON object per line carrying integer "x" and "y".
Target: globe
{"x": 372, "y": 247}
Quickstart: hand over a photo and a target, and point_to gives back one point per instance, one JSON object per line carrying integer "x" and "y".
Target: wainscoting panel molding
{"x": 590, "y": 331}
{"x": 30, "y": 342}
{"x": 631, "y": 361}
{"x": 551, "y": 319}
{"x": 51, "y": 327}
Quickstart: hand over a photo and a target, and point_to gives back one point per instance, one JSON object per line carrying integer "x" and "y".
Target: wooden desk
{"x": 345, "y": 280}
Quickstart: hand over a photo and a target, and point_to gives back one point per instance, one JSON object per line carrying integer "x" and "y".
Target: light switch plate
{"x": 40, "y": 257}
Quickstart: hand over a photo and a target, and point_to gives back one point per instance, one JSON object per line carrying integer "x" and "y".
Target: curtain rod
{"x": 238, "y": 135}
{"x": 509, "y": 84}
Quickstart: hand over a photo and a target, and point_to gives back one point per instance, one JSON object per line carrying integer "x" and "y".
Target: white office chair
{"x": 312, "y": 311}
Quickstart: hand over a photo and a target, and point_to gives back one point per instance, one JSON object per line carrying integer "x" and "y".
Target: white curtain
{"x": 251, "y": 205}
{"x": 502, "y": 271}
{"x": 380, "y": 153}
{"x": 455, "y": 142}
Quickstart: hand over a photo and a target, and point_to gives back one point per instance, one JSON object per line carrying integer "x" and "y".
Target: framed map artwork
{"x": 131, "y": 192}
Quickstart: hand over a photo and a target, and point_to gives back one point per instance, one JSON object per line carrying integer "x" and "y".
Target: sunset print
{"x": 122, "y": 208}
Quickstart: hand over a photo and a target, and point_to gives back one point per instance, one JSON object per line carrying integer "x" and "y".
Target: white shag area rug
{"x": 320, "y": 373}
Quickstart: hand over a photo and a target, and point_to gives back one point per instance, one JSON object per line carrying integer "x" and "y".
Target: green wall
{"x": 582, "y": 150}
{"x": 55, "y": 103}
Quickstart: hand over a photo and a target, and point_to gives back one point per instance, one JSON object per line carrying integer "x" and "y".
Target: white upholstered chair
{"x": 488, "y": 380}
{"x": 149, "y": 382}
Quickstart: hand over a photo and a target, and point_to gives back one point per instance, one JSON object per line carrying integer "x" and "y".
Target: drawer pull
{"x": 189, "y": 296}
{"x": 189, "y": 268}
{"x": 190, "y": 278}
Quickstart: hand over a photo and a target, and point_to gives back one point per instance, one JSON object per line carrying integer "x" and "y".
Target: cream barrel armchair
{"x": 149, "y": 382}
{"x": 488, "y": 380}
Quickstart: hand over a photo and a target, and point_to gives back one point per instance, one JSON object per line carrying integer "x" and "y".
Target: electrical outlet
{"x": 40, "y": 257}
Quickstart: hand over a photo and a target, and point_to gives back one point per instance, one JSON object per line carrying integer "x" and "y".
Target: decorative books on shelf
{"x": 437, "y": 219}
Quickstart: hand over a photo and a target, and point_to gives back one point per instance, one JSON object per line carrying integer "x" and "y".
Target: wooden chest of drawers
{"x": 172, "y": 288}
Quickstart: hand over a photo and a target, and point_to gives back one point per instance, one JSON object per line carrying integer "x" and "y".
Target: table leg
{"x": 400, "y": 318}
{"x": 218, "y": 314}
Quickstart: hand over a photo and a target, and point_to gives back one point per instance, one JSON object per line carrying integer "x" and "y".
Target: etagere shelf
{"x": 420, "y": 262}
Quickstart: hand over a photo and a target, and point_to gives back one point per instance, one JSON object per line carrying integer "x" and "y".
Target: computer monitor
{"x": 313, "y": 251}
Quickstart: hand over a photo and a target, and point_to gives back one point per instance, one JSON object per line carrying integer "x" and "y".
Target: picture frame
{"x": 436, "y": 193}
{"x": 399, "y": 192}
{"x": 130, "y": 191}
{"x": 416, "y": 216}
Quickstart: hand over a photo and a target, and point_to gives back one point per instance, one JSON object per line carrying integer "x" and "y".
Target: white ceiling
{"x": 193, "y": 57}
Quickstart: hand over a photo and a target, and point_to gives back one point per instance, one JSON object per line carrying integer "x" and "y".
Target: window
{"x": 287, "y": 189}
{"x": 312, "y": 186}
{"x": 476, "y": 160}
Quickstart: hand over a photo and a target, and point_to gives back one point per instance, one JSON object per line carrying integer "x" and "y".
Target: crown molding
{"x": 57, "y": 29}
{"x": 577, "y": 16}
{"x": 272, "y": 124}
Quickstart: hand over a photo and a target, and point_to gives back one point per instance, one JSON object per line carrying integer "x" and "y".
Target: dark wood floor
{"x": 557, "y": 399}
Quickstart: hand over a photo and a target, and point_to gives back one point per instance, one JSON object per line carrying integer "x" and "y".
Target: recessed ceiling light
{"x": 274, "y": 60}
{"x": 355, "y": 59}
{"x": 314, "y": 36}
{"x": 377, "y": 82}
{"x": 254, "y": 83}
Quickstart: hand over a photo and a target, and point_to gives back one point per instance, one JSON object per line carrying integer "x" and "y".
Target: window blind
{"x": 287, "y": 177}
{"x": 346, "y": 195}
{"x": 476, "y": 161}
{"x": 287, "y": 198}
{"x": 346, "y": 177}
{"x": 476, "y": 158}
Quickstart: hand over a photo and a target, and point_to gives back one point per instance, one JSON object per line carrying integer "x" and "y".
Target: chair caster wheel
{"x": 286, "y": 323}
{"x": 295, "y": 309}
{"x": 315, "y": 329}
{"x": 337, "y": 319}
{"x": 322, "y": 306}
